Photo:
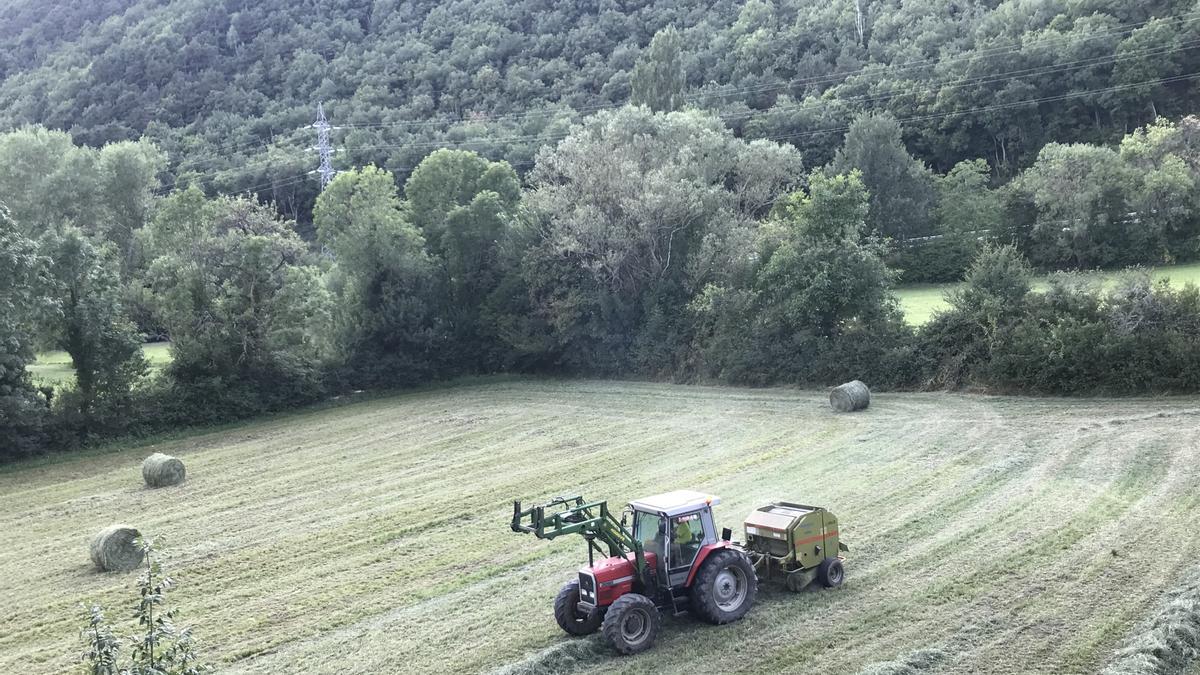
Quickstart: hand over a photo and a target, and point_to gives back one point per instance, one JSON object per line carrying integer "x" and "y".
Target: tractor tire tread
{"x": 703, "y": 603}
{"x": 613, "y": 618}
{"x": 567, "y": 616}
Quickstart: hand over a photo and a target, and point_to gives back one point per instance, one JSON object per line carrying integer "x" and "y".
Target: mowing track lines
{"x": 1122, "y": 561}
{"x": 434, "y": 557}
{"x": 845, "y": 641}
{"x": 1031, "y": 616}
{"x": 979, "y": 514}
{"x": 418, "y": 631}
{"x": 387, "y": 539}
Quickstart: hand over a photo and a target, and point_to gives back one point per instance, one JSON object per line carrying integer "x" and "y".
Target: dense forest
{"x": 725, "y": 193}
{"x": 228, "y": 88}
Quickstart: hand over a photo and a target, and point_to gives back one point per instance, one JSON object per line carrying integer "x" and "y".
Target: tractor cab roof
{"x": 675, "y": 503}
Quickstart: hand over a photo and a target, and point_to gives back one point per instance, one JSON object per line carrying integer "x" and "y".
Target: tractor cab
{"x": 675, "y": 527}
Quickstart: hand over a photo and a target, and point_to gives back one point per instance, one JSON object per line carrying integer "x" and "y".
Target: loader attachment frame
{"x": 575, "y": 515}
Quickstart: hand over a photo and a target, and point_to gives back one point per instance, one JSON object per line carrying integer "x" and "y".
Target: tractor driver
{"x": 689, "y": 536}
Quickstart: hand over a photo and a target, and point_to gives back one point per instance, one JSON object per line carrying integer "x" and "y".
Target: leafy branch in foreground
{"x": 159, "y": 646}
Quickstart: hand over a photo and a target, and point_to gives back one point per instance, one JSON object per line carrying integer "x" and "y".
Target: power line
{"x": 890, "y": 69}
{"x": 813, "y": 132}
{"x": 808, "y": 103}
{"x": 1003, "y": 106}
{"x": 187, "y": 177}
{"x": 875, "y": 69}
{"x": 545, "y": 138}
{"x": 872, "y": 69}
{"x": 802, "y": 105}
{"x": 997, "y": 78}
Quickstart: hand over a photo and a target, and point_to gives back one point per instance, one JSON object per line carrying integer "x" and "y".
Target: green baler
{"x": 795, "y": 543}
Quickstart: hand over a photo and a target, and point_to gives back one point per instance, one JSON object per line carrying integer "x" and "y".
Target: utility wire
{"x": 1004, "y": 106}
{"x": 545, "y": 138}
{"x": 886, "y": 69}
{"x": 873, "y": 69}
{"x": 800, "y": 106}
{"x": 814, "y": 132}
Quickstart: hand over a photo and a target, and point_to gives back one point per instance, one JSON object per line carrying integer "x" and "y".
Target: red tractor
{"x": 671, "y": 559}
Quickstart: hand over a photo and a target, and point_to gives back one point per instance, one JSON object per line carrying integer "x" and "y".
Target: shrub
{"x": 160, "y": 647}
{"x": 1073, "y": 338}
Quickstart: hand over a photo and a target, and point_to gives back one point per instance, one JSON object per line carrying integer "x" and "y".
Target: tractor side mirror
{"x": 726, "y": 533}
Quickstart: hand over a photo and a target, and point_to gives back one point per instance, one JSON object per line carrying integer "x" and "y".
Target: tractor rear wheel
{"x": 831, "y": 573}
{"x": 724, "y": 588}
{"x": 632, "y": 623}
{"x": 568, "y": 616}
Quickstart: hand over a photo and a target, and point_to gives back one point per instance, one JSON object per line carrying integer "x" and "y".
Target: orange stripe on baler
{"x": 817, "y": 538}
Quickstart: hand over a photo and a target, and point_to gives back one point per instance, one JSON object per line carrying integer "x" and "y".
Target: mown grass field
{"x": 987, "y": 534}
{"x": 921, "y": 301}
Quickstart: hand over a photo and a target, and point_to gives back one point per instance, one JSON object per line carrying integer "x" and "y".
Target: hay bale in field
{"x": 850, "y": 397}
{"x": 161, "y": 470}
{"x": 114, "y": 549}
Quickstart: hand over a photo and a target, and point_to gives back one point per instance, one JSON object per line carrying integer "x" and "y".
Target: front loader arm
{"x": 593, "y": 520}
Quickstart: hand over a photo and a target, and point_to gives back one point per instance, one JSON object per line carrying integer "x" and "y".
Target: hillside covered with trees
{"x": 227, "y": 88}
{"x": 726, "y": 193}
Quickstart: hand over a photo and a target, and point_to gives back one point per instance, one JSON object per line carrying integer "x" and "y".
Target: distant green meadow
{"x": 921, "y": 301}
{"x": 56, "y": 367}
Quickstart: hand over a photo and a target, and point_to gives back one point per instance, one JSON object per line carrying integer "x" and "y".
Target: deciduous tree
{"x": 243, "y": 303}
{"x": 658, "y": 78}
{"x": 389, "y": 329}
{"x": 92, "y": 327}
{"x": 23, "y": 299}
{"x": 900, "y": 186}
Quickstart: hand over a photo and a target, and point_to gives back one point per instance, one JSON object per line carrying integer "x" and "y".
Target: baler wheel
{"x": 567, "y": 615}
{"x": 724, "y": 588}
{"x": 632, "y": 623}
{"x": 831, "y": 573}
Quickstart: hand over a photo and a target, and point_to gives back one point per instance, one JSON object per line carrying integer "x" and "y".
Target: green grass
{"x": 55, "y": 368}
{"x": 921, "y": 301}
{"x": 987, "y": 534}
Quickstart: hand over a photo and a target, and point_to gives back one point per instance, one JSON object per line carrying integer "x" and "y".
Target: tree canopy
{"x": 228, "y": 90}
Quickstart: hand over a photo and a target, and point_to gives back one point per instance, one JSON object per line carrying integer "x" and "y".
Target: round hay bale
{"x": 850, "y": 397}
{"x": 114, "y": 549}
{"x": 161, "y": 470}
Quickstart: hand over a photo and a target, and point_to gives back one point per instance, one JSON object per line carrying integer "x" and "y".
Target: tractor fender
{"x": 701, "y": 556}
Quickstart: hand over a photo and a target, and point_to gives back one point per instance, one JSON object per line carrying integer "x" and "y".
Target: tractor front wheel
{"x": 831, "y": 573}
{"x": 632, "y": 623}
{"x": 724, "y": 588}
{"x": 568, "y": 616}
